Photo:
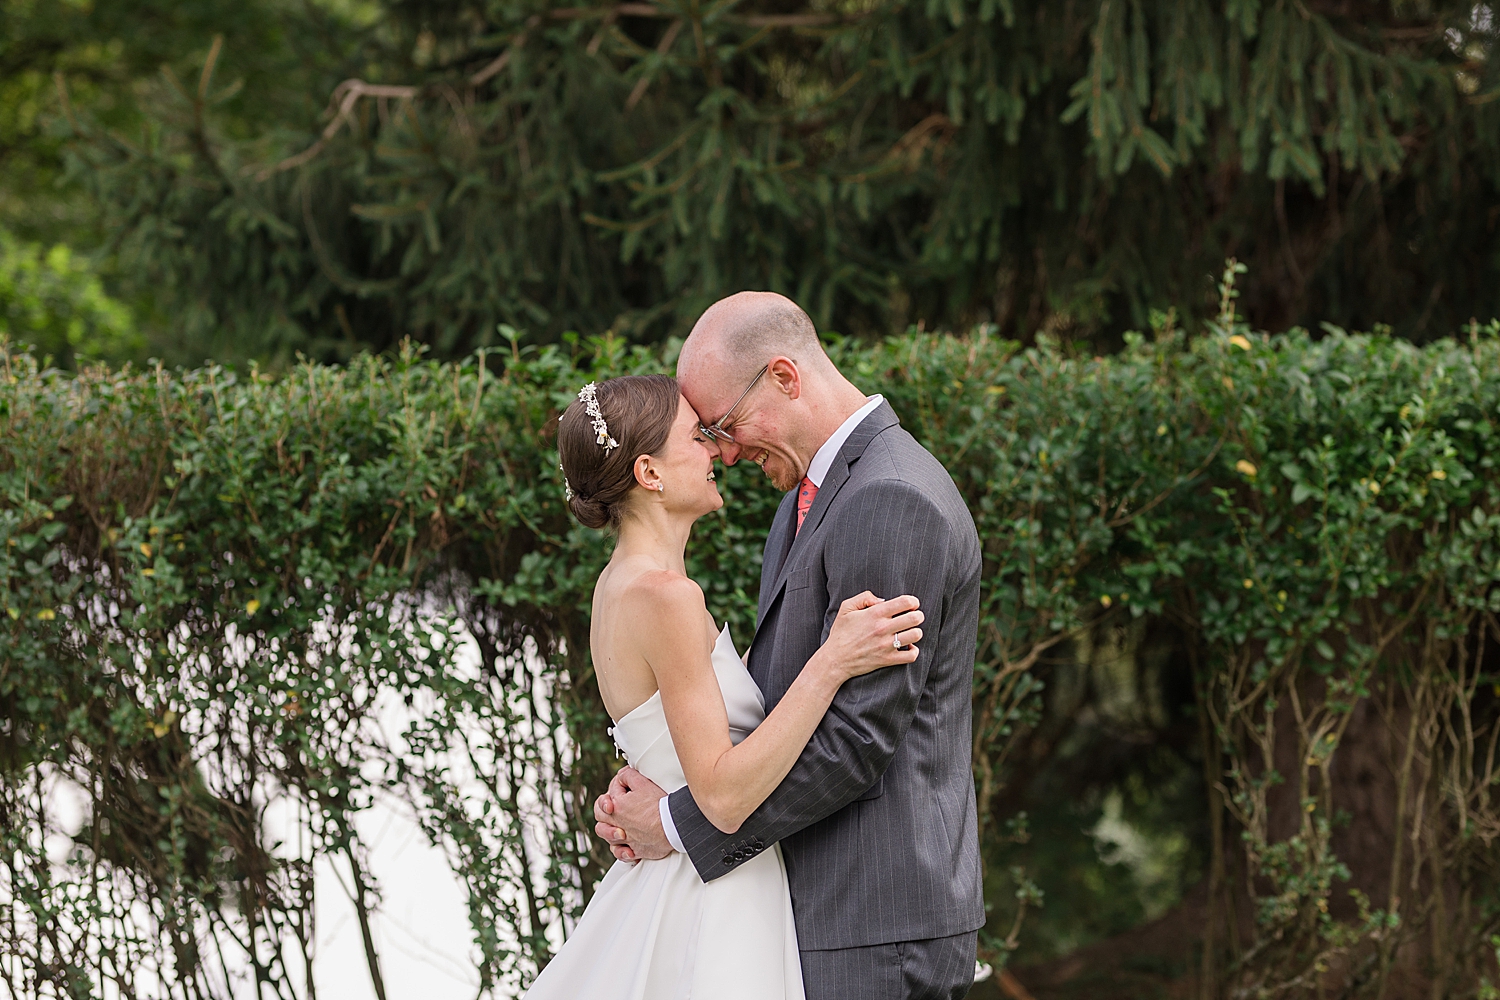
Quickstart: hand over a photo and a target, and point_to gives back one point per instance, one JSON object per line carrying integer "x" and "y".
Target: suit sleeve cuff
{"x": 668, "y": 827}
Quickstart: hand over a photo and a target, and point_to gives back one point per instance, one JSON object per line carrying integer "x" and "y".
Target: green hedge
{"x": 212, "y": 582}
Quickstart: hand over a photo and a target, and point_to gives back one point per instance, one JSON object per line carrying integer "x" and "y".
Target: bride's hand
{"x": 865, "y": 634}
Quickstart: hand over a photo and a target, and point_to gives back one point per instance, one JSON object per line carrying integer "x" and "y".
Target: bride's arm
{"x": 728, "y": 782}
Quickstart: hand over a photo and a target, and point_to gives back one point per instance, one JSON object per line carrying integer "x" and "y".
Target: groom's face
{"x": 754, "y": 422}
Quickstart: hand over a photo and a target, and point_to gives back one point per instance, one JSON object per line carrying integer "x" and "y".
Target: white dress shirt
{"x": 817, "y": 471}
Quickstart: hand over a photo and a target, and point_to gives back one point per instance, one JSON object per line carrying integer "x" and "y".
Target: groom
{"x": 877, "y": 818}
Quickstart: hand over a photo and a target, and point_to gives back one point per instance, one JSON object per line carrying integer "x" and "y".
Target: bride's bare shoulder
{"x": 663, "y": 592}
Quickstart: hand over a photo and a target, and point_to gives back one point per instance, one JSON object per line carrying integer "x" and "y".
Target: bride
{"x": 688, "y": 713}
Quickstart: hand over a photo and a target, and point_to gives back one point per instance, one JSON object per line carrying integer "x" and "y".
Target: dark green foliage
{"x": 113, "y": 54}
{"x": 1046, "y": 167}
{"x": 53, "y": 300}
{"x": 213, "y": 584}
{"x": 1112, "y": 786}
{"x": 110, "y": 62}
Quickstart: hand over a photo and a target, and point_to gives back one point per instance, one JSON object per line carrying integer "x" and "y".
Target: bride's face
{"x": 686, "y": 466}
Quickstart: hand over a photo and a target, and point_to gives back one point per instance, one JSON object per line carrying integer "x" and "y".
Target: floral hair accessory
{"x": 596, "y": 417}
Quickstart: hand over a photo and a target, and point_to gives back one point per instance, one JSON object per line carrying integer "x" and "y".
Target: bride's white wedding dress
{"x": 654, "y": 930}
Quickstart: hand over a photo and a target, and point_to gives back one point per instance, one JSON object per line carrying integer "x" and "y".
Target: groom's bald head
{"x": 799, "y": 403}
{"x": 736, "y": 335}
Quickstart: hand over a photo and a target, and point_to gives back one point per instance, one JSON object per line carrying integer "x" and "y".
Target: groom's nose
{"x": 729, "y": 452}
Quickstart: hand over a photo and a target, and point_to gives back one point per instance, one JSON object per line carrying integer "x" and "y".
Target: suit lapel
{"x": 859, "y": 439}
{"x": 778, "y": 546}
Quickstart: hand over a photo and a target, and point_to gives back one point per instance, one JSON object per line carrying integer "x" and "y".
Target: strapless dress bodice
{"x": 642, "y": 734}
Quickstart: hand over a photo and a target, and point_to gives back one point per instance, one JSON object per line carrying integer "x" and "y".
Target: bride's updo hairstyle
{"x": 639, "y": 411}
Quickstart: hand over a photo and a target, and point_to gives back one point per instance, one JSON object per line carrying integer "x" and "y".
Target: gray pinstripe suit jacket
{"x": 877, "y": 818}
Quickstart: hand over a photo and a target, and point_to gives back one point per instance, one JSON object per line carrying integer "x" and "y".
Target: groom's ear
{"x": 785, "y": 376}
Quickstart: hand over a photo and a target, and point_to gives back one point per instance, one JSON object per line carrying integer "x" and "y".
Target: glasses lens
{"x": 717, "y": 431}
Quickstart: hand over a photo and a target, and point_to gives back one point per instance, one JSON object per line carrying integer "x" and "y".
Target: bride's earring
{"x": 661, "y": 487}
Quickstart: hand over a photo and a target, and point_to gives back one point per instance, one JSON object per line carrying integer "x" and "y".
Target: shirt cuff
{"x": 668, "y": 827}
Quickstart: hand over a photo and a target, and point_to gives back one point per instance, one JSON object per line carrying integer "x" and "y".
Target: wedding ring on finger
{"x": 896, "y": 640}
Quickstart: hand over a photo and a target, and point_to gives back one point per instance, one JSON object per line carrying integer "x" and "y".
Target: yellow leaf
{"x": 1374, "y": 487}
{"x": 1437, "y": 474}
{"x": 1248, "y": 468}
{"x": 1240, "y": 342}
{"x": 145, "y": 549}
{"x": 14, "y": 614}
{"x": 252, "y": 606}
{"x": 46, "y": 614}
{"x": 1249, "y": 583}
{"x": 1228, "y": 382}
{"x": 148, "y": 572}
{"x": 1104, "y": 599}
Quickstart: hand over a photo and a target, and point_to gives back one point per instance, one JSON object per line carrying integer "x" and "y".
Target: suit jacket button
{"x": 739, "y": 855}
{"x": 728, "y": 860}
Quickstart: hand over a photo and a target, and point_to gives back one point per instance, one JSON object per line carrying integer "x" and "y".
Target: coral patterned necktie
{"x": 805, "y": 495}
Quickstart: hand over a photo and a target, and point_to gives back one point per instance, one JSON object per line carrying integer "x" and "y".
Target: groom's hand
{"x": 628, "y": 816}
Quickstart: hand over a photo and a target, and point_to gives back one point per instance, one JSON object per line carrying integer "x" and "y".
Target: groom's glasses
{"x": 716, "y": 429}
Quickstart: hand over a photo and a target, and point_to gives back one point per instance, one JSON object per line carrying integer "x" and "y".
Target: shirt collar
{"x": 823, "y": 460}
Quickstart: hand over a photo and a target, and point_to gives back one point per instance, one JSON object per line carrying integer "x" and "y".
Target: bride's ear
{"x": 646, "y": 474}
